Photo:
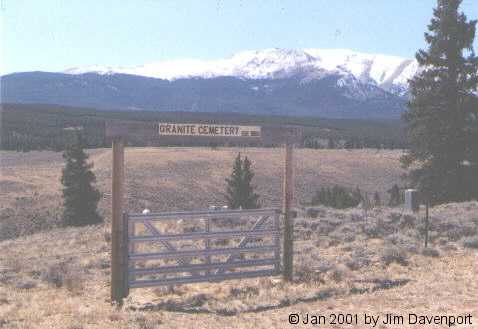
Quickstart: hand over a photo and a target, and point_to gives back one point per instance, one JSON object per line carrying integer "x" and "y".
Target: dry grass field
{"x": 346, "y": 261}
{"x": 184, "y": 178}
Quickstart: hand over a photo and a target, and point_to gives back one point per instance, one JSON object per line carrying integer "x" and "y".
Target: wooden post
{"x": 426, "y": 223}
{"x": 288, "y": 220}
{"x": 125, "y": 255}
{"x": 117, "y": 223}
{"x": 131, "y": 250}
{"x": 208, "y": 243}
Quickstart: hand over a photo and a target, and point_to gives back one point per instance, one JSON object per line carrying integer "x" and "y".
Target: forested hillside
{"x": 39, "y": 127}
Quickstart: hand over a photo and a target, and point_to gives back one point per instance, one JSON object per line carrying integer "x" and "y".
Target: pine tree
{"x": 443, "y": 112}
{"x": 80, "y": 197}
{"x": 250, "y": 197}
{"x": 234, "y": 182}
{"x": 338, "y": 197}
{"x": 377, "y": 201}
{"x": 331, "y": 143}
{"x": 357, "y": 194}
{"x": 394, "y": 196}
{"x": 239, "y": 190}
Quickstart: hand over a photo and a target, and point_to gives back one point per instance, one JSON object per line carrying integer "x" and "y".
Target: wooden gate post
{"x": 117, "y": 224}
{"x": 288, "y": 220}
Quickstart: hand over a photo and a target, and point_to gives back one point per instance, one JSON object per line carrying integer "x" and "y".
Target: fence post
{"x": 117, "y": 222}
{"x": 426, "y": 223}
{"x": 125, "y": 254}
{"x": 277, "y": 242}
{"x": 131, "y": 250}
{"x": 208, "y": 243}
{"x": 288, "y": 221}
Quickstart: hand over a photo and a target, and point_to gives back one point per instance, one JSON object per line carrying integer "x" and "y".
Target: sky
{"x": 53, "y": 35}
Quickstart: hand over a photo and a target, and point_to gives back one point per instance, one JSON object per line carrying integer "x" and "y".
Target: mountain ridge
{"x": 391, "y": 73}
{"x": 332, "y": 96}
{"x": 312, "y": 82}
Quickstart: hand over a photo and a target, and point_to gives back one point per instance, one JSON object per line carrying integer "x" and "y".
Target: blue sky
{"x": 52, "y": 35}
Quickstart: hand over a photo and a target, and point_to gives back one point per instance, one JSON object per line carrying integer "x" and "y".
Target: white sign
{"x": 208, "y": 130}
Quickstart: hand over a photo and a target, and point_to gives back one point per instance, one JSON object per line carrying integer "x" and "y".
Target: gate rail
{"x": 266, "y": 226}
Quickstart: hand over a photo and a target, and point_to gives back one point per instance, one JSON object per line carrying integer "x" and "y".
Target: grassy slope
{"x": 68, "y": 273}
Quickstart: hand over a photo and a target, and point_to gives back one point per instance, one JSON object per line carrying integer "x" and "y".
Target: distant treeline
{"x": 51, "y": 127}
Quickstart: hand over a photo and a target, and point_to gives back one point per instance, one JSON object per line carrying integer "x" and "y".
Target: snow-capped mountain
{"x": 389, "y": 73}
{"x": 309, "y": 82}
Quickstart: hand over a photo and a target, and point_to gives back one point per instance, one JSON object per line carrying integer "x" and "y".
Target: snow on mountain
{"x": 390, "y": 73}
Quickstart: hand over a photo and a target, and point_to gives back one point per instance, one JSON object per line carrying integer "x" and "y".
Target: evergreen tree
{"x": 357, "y": 195}
{"x": 443, "y": 112}
{"x": 239, "y": 190}
{"x": 338, "y": 197}
{"x": 377, "y": 201}
{"x": 250, "y": 197}
{"x": 234, "y": 183}
{"x": 331, "y": 143}
{"x": 80, "y": 197}
{"x": 394, "y": 196}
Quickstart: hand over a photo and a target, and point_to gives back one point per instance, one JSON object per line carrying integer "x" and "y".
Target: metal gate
{"x": 203, "y": 246}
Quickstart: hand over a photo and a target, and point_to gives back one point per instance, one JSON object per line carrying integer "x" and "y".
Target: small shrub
{"x": 244, "y": 292}
{"x": 442, "y": 241}
{"x": 26, "y": 220}
{"x": 107, "y": 236}
{"x": 337, "y": 275}
{"x": 471, "y": 243}
{"x": 305, "y": 273}
{"x": 337, "y": 197}
{"x": 103, "y": 263}
{"x": 359, "y": 259}
{"x": 395, "y": 217}
{"x": 26, "y": 285}
{"x": 54, "y": 275}
{"x": 358, "y": 291}
{"x": 407, "y": 221}
{"x": 394, "y": 255}
{"x": 63, "y": 275}
{"x": 371, "y": 230}
{"x": 325, "y": 228}
{"x": 13, "y": 264}
{"x": 334, "y": 243}
{"x": 198, "y": 300}
{"x": 455, "y": 234}
{"x": 399, "y": 239}
{"x": 396, "y": 196}
{"x": 348, "y": 237}
{"x": 384, "y": 284}
{"x": 324, "y": 266}
{"x": 430, "y": 252}
{"x": 413, "y": 249}
{"x": 73, "y": 281}
{"x": 353, "y": 264}
{"x": 469, "y": 230}
{"x": 355, "y": 217}
{"x": 140, "y": 321}
{"x": 312, "y": 213}
{"x": 76, "y": 326}
{"x": 115, "y": 317}
{"x": 377, "y": 229}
